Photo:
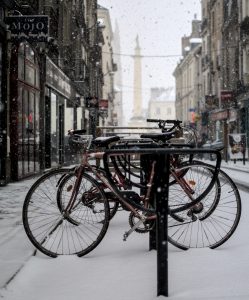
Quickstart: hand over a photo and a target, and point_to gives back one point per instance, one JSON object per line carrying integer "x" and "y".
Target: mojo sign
{"x": 28, "y": 28}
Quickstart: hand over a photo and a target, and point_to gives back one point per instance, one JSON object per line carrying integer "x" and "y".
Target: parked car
{"x": 217, "y": 144}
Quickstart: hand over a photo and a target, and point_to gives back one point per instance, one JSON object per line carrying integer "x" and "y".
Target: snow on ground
{"x": 121, "y": 270}
{"x": 118, "y": 270}
{"x": 15, "y": 249}
{"x": 237, "y": 171}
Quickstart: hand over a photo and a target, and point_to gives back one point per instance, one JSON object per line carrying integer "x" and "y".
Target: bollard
{"x": 161, "y": 197}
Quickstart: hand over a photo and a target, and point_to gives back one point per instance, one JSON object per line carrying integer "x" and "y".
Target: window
{"x": 28, "y": 69}
{"x": 28, "y": 131}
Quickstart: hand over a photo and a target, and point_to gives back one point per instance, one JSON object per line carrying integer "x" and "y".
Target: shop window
{"x": 69, "y": 118}
{"x": 54, "y": 131}
{"x": 79, "y": 117}
{"x": 37, "y": 78}
{"x": 31, "y": 131}
{"x": 20, "y": 132}
{"x": 28, "y": 112}
{"x": 28, "y": 69}
{"x": 28, "y": 131}
{"x": 21, "y": 67}
{"x": 25, "y": 102}
{"x": 30, "y": 74}
{"x": 29, "y": 54}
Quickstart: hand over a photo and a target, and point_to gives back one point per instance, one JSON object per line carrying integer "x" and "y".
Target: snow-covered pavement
{"x": 116, "y": 269}
{"x": 15, "y": 249}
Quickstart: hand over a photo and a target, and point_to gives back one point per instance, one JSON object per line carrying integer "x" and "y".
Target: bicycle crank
{"x": 127, "y": 233}
{"x": 146, "y": 226}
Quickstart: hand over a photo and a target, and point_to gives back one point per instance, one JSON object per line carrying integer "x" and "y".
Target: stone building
{"x": 186, "y": 76}
{"x": 45, "y": 84}
{"x": 108, "y": 109}
{"x": 162, "y": 104}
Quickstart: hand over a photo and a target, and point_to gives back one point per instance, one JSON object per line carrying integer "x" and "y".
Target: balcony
{"x": 204, "y": 24}
{"x": 244, "y": 26}
{"x": 246, "y": 79}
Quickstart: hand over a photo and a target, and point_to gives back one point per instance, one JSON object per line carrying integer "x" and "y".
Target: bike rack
{"x": 159, "y": 239}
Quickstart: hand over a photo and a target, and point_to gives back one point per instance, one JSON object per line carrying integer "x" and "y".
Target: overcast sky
{"x": 160, "y": 24}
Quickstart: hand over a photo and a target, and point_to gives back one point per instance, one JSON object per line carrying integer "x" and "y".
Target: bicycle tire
{"x": 216, "y": 223}
{"x": 49, "y": 231}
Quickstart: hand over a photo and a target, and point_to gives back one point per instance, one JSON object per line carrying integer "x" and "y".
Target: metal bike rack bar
{"x": 161, "y": 196}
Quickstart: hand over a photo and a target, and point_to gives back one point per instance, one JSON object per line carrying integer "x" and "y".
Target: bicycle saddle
{"x": 158, "y": 136}
{"x": 104, "y": 141}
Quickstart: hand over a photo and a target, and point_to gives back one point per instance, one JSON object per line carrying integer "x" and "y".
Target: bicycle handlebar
{"x": 175, "y": 122}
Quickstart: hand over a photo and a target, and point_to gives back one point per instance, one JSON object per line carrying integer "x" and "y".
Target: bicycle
{"x": 80, "y": 206}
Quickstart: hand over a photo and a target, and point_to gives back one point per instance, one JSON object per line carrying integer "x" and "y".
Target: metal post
{"x": 161, "y": 196}
{"x": 145, "y": 162}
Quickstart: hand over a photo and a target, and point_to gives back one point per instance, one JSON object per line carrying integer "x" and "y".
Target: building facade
{"x": 187, "y": 75}
{"x": 108, "y": 109}
{"x": 45, "y": 83}
{"x": 162, "y": 104}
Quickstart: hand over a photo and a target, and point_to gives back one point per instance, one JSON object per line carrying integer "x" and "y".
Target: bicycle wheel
{"x": 212, "y": 221}
{"x": 50, "y": 230}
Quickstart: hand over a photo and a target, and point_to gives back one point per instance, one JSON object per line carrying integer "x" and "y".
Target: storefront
{"x": 243, "y": 100}
{"x": 220, "y": 126}
{"x": 2, "y": 122}
{"x": 24, "y": 112}
{"x": 63, "y": 111}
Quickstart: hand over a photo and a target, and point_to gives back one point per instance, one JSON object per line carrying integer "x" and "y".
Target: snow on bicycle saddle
{"x": 158, "y": 136}
{"x": 105, "y": 140}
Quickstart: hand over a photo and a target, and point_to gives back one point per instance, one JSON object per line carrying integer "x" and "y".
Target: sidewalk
{"x": 15, "y": 248}
{"x": 237, "y": 171}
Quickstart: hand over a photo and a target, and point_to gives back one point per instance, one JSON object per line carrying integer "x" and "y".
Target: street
{"x": 117, "y": 269}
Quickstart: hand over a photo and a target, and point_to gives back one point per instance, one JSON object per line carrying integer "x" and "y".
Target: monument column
{"x": 137, "y": 95}
{"x": 137, "y": 118}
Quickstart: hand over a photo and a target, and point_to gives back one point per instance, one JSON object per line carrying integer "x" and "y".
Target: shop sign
{"x": 232, "y": 115}
{"x": 92, "y": 102}
{"x": 103, "y": 104}
{"x": 219, "y": 115}
{"x": 211, "y": 101}
{"x": 56, "y": 78}
{"x": 28, "y": 28}
{"x": 226, "y": 96}
{"x": 237, "y": 146}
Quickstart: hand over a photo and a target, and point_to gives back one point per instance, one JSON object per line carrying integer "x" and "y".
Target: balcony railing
{"x": 204, "y": 24}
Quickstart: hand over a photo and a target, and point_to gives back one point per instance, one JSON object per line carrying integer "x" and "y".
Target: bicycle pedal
{"x": 125, "y": 236}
